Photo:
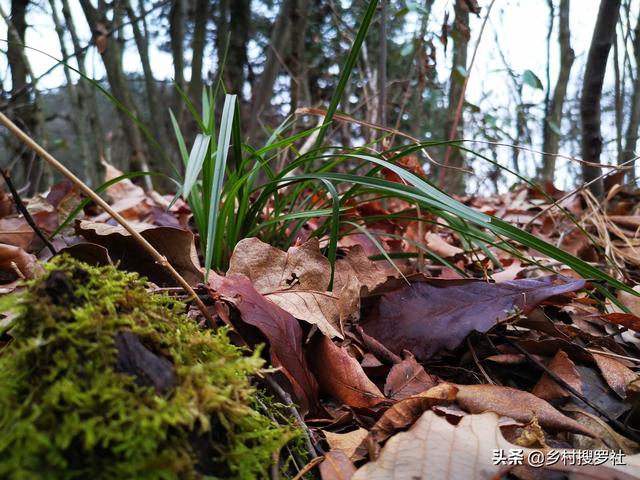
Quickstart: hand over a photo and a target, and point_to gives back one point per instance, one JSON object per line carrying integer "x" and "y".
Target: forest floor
{"x": 471, "y": 368}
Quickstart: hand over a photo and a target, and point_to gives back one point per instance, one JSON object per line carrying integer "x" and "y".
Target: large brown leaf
{"x": 280, "y": 328}
{"x": 435, "y": 449}
{"x": 341, "y": 376}
{"x": 407, "y": 378}
{"x": 297, "y": 281}
{"x": 428, "y": 316}
{"x": 517, "y": 404}
{"x": 175, "y": 244}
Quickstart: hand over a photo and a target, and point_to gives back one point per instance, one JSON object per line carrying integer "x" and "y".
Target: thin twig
{"x": 25, "y": 213}
{"x": 159, "y": 258}
{"x": 285, "y": 398}
{"x": 621, "y": 427}
{"x": 478, "y": 364}
{"x": 308, "y": 467}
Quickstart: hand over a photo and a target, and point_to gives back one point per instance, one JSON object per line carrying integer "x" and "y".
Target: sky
{"x": 516, "y": 27}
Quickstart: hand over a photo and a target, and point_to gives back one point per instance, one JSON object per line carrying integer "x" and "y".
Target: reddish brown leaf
{"x": 615, "y": 373}
{"x": 405, "y": 412}
{"x": 336, "y": 466}
{"x": 281, "y": 329}
{"x": 426, "y": 317}
{"x": 517, "y": 404}
{"x": 347, "y": 442}
{"x": 407, "y": 378}
{"x": 548, "y": 389}
{"x": 341, "y": 376}
{"x": 175, "y": 244}
{"x": 625, "y": 319}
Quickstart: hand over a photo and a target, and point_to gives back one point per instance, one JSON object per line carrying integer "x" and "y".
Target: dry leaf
{"x": 341, "y": 376}
{"x": 336, "y": 466}
{"x": 347, "y": 442}
{"x": 615, "y": 373}
{"x": 517, "y": 404}
{"x": 561, "y": 365}
{"x": 406, "y": 379}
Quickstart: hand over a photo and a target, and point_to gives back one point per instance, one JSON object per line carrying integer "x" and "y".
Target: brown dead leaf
{"x": 341, "y": 376}
{"x": 440, "y": 246}
{"x": 607, "y": 438}
{"x": 405, "y": 412}
{"x": 561, "y": 365}
{"x": 175, "y": 244}
{"x": 406, "y": 379}
{"x": 517, "y": 404}
{"x": 434, "y": 314}
{"x": 15, "y": 263}
{"x": 16, "y": 231}
{"x": 347, "y": 442}
{"x": 297, "y": 281}
{"x": 434, "y": 448}
{"x": 336, "y": 466}
{"x": 632, "y": 302}
{"x": 281, "y": 330}
{"x": 615, "y": 373}
{"x": 625, "y": 319}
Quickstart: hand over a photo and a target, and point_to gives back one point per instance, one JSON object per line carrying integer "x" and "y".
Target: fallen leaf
{"x": 297, "y": 281}
{"x": 607, "y": 438}
{"x": 428, "y": 316}
{"x": 517, "y": 404}
{"x": 625, "y": 319}
{"x": 632, "y": 302}
{"x": 336, "y": 466}
{"x": 440, "y": 246}
{"x": 548, "y": 389}
{"x": 405, "y": 412}
{"x": 15, "y": 263}
{"x": 280, "y": 328}
{"x": 347, "y": 442}
{"x": 341, "y": 376}
{"x": 406, "y": 379}
{"x": 615, "y": 373}
{"x": 435, "y": 449}
{"x": 175, "y": 244}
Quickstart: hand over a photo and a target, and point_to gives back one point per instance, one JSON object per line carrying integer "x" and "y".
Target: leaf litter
{"x": 426, "y": 376}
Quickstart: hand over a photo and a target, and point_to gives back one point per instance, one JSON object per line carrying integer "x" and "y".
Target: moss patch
{"x": 103, "y": 380}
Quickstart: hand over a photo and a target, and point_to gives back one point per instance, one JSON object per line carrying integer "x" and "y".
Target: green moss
{"x": 71, "y": 408}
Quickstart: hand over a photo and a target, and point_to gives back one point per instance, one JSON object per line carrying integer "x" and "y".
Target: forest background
{"x": 523, "y": 94}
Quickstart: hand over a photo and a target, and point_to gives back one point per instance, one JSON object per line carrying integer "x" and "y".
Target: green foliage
{"x": 67, "y": 409}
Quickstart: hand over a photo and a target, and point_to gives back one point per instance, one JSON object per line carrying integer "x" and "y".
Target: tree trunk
{"x": 631, "y": 137}
{"x": 197, "y": 50}
{"x": 603, "y": 37}
{"x": 234, "y": 23}
{"x": 454, "y": 182}
{"x": 112, "y": 58}
{"x": 277, "y": 49}
{"x": 142, "y": 43}
{"x": 176, "y": 34}
{"x": 87, "y": 100}
{"x": 553, "y": 121}
{"x": 78, "y": 115}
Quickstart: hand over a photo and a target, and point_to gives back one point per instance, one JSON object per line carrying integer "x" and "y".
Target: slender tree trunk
{"x": 631, "y": 137}
{"x": 78, "y": 116}
{"x": 26, "y": 106}
{"x": 142, "y": 43}
{"x": 176, "y": 36}
{"x": 296, "y": 60}
{"x": 112, "y": 58}
{"x": 86, "y": 94}
{"x": 603, "y": 37}
{"x": 382, "y": 65}
{"x": 197, "y": 50}
{"x": 553, "y": 121}
{"x": 277, "y": 49}
{"x": 454, "y": 178}
{"x": 234, "y": 25}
